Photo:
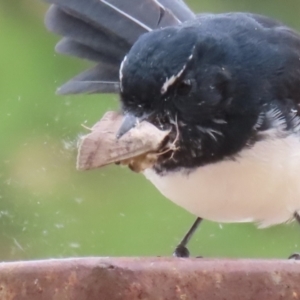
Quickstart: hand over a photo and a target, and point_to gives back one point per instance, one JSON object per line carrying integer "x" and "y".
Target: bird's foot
{"x": 181, "y": 251}
{"x": 295, "y": 256}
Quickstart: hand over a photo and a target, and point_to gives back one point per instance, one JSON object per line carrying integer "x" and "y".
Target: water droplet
{"x": 74, "y": 245}
{"x": 59, "y": 226}
{"x": 78, "y": 200}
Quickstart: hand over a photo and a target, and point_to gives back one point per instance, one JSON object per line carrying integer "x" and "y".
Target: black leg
{"x": 296, "y": 256}
{"x": 181, "y": 250}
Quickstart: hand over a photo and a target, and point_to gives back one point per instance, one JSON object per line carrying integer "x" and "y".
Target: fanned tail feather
{"x": 103, "y": 78}
{"x": 103, "y": 31}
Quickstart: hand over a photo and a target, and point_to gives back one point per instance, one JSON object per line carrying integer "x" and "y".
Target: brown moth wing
{"x": 142, "y": 162}
{"x": 101, "y": 147}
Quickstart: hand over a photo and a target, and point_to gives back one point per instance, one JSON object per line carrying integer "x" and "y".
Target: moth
{"x": 139, "y": 148}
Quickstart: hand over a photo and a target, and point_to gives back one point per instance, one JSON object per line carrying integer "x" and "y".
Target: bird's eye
{"x": 184, "y": 87}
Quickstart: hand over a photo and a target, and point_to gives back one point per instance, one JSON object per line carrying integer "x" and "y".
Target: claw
{"x": 181, "y": 251}
{"x": 295, "y": 256}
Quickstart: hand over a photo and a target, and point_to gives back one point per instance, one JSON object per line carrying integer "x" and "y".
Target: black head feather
{"x": 228, "y": 71}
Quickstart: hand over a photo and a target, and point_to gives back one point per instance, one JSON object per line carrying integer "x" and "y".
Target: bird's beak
{"x": 129, "y": 122}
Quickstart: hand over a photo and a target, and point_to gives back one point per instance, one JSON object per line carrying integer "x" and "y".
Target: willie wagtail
{"x": 227, "y": 85}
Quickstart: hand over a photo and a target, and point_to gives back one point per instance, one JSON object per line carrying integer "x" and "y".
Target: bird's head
{"x": 195, "y": 82}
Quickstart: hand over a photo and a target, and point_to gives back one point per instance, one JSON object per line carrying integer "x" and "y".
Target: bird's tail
{"x": 103, "y": 31}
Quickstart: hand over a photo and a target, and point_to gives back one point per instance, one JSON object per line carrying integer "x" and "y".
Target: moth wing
{"x": 101, "y": 147}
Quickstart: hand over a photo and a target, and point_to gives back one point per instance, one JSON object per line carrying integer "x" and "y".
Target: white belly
{"x": 262, "y": 185}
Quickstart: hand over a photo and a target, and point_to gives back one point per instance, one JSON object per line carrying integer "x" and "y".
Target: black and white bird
{"x": 228, "y": 85}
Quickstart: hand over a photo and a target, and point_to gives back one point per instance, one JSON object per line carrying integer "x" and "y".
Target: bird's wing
{"x": 103, "y": 31}
{"x": 285, "y": 79}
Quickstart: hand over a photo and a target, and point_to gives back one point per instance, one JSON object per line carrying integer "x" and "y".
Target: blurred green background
{"x": 47, "y": 208}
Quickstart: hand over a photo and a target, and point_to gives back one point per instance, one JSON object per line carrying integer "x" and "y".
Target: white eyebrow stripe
{"x": 170, "y": 81}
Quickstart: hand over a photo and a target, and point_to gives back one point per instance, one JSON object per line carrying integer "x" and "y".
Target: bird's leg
{"x": 296, "y": 256}
{"x": 181, "y": 250}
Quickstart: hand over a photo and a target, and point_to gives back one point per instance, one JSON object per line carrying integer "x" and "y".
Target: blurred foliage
{"x": 47, "y": 208}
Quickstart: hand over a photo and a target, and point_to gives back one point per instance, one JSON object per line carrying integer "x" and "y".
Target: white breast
{"x": 262, "y": 185}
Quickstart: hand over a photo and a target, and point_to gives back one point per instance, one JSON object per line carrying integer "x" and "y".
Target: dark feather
{"x": 101, "y": 79}
{"x": 150, "y": 13}
{"x": 69, "y": 47}
{"x": 88, "y": 87}
{"x": 61, "y": 23}
{"x": 179, "y": 9}
{"x": 104, "y": 17}
{"x": 104, "y": 31}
